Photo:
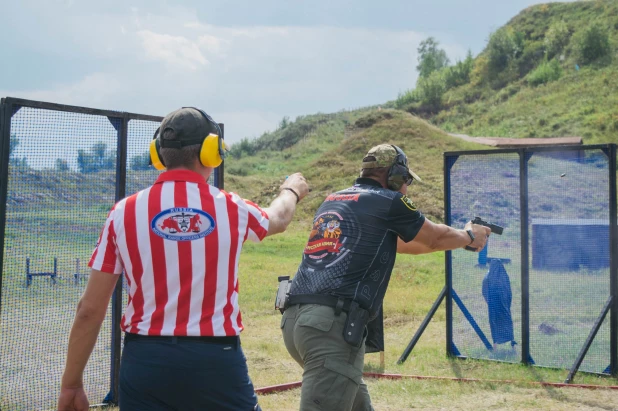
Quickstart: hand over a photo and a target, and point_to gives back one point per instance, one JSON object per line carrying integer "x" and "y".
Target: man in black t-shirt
{"x": 344, "y": 274}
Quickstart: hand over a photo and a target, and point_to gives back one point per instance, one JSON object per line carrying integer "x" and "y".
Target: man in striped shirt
{"x": 178, "y": 243}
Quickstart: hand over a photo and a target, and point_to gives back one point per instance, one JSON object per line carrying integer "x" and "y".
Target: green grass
{"x": 415, "y": 283}
{"x": 45, "y": 311}
{"x": 330, "y": 160}
{"x": 578, "y": 104}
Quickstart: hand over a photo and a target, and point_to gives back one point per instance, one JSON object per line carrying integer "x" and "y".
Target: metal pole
{"x": 121, "y": 179}
{"x": 613, "y": 263}
{"x": 421, "y": 329}
{"x": 6, "y": 110}
{"x": 472, "y": 321}
{"x": 524, "y": 156}
{"x": 588, "y": 342}
{"x": 448, "y": 260}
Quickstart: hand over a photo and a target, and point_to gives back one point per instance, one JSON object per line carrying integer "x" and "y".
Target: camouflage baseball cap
{"x": 385, "y": 155}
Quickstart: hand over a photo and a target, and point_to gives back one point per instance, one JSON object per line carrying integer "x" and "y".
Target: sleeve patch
{"x": 408, "y": 203}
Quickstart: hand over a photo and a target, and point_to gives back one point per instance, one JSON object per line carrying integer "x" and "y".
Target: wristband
{"x": 471, "y": 236}
{"x": 292, "y": 190}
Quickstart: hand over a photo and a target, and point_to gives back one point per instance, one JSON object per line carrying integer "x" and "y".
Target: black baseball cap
{"x": 185, "y": 127}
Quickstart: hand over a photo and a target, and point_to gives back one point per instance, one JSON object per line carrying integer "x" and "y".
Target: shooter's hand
{"x": 481, "y": 233}
{"x": 297, "y": 183}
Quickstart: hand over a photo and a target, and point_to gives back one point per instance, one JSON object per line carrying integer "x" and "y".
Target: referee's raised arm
{"x": 178, "y": 243}
{"x": 281, "y": 210}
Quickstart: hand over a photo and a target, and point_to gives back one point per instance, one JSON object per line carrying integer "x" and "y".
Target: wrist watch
{"x": 471, "y": 234}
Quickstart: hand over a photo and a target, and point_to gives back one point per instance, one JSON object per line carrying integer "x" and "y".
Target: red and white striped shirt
{"x": 178, "y": 243}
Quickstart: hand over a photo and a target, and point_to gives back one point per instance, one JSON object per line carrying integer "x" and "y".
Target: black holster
{"x": 355, "y": 325}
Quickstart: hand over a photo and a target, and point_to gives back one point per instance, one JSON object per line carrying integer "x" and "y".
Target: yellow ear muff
{"x": 211, "y": 151}
{"x": 155, "y": 158}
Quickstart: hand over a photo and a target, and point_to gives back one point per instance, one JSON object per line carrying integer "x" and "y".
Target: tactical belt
{"x": 338, "y": 303}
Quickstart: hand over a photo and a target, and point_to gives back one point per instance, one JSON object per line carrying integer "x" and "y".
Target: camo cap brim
{"x": 384, "y": 155}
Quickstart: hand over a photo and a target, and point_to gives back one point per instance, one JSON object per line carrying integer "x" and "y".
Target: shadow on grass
{"x": 557, "y": 395}
{"x": 456, "y": 367}
{"x": 370, "y": 367}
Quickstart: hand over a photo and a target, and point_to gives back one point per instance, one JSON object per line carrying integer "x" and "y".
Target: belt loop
{"x": 174, "y": 340}
{"x": 339, "y": 306}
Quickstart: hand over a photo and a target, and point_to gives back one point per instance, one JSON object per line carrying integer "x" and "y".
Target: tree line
{"x": 509, "y": 56}
{"x": 97, "y": 158}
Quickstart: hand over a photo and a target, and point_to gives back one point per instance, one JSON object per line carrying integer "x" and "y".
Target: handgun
{"x": 283, "y": 292}
{"x": 493, "y": 227}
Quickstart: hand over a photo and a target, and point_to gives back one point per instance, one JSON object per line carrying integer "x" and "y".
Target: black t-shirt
{"x": 353, "y": 243}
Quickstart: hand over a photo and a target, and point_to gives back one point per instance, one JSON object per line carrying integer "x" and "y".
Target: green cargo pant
{"x": 332, "y": 369}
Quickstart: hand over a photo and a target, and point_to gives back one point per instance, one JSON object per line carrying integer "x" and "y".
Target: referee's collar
{"x": 367, "y": 181}
{"x": 181, "y": 175}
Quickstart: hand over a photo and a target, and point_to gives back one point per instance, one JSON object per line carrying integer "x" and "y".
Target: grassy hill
{"x": 551, "y": 71}
{"x": 330, "y": 156}
{"x": 536, "y": 78}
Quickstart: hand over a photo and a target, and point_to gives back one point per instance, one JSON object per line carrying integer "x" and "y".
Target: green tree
{"x": 556, "y": 38}
{"x": 285, "y": 121}
{"x": 431, "y": 90}
{"x": 96, "y": 159}
{"x": 62, "y": 165}
{"x": 593, "y": 44}
{"x": 504, "y": 46}
{"x": 430, "y": 57}
{"x": 459, "y": 74}
{"x": 13, "y": 143}
{"x": 13, "y": 159}
{"x": 546, "y": 72}
{"x": 242, "y": 148}
{"x": 141, "y": 161}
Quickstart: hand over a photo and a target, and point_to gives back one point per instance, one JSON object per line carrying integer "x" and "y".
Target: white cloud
{"x": 248, "y": 77}
{"x": 210, "y": 43}
{"x": 176, "y": 51}
{"x": 93, "y": 90}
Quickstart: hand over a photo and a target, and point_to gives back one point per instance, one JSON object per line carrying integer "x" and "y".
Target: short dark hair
{"x": 378, "y": 172}
{"x": 178, "y": 157}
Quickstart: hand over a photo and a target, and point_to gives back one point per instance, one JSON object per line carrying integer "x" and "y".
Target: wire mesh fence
{"x": 537, "y": 303}
{"x": 62, "y": 173}
{"x": 61, "y": 176}
{"x": 488, "y": 187}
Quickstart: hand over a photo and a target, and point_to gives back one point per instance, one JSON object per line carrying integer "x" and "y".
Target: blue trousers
{"x": 184, "y": 373}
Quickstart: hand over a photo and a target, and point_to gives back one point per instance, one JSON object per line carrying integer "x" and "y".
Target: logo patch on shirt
{"x": 182, "y": 224}
{"x": 324, "y": 237}
{"x": 408, "y": 203}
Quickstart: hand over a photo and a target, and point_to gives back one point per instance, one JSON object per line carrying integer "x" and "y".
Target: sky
{"x": 247, "y": 63}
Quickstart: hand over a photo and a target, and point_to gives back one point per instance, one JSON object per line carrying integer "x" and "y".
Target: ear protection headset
{"x": 398, "y": 174}
{"x": 212, "y": 152}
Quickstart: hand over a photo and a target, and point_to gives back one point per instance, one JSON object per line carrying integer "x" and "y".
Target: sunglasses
{"x": 409, "y": 180}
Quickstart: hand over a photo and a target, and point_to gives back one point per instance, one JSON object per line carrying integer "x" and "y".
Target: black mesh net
{"x": 487, "y": 303}
{"x": 61, "y": 185}
{"x": 568, "y": 205}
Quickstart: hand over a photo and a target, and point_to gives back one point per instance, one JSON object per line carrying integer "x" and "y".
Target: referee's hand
{"x": 73, "y": 399}
{"x": 297, "y": 183}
